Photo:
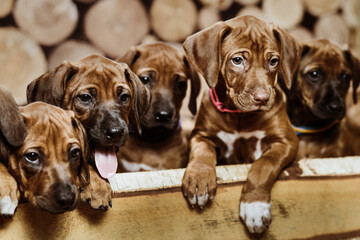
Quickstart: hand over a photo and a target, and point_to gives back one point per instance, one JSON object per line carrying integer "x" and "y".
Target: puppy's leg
{"x": 255, "y": 203}
{"x": 9, "y": 192}
{"x": 199, "y": 181}
{"x": 98, "y": 192}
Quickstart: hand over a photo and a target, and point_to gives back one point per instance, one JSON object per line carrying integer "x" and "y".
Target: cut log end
{"x": 173, "y": 20}
{"x": 48, "y": 22}
{"x": 21, "y": 59}
{"x": 115, "y": 25}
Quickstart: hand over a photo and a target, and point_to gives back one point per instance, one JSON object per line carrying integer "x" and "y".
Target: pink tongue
{"x": 106, "y": 161}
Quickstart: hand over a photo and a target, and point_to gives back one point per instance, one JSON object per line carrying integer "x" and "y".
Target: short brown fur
{"x": 243, "y": 71}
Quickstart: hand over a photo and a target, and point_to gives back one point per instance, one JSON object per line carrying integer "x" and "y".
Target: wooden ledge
{"x": 316, "y": 199}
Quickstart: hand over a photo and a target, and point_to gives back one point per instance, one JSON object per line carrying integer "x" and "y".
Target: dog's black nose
{"x": 334, "y": 107}
{"x": 163, "y": 116}
{"x": 64, "y": 195}
{"x": 113, "y": 133}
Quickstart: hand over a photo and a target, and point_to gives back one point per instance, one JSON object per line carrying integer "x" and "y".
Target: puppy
{"x": 103, "y": 94}
{"x": 50, "y": 166}
{"x": 165, "y": 71}
{"x": 243, "y": 118}
{"x": 316, "y": 101}
{"x": 12, "y": 134}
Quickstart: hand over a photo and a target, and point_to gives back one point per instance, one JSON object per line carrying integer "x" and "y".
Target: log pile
{"x": 39, "y": 34}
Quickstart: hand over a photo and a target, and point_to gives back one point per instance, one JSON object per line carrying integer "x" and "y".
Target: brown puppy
{"x": 103, "y": 94}
{"x": 316, "y": 101}
{"x": 12, "y": 134}
{"x": 50, "y": 166}
{"x": 243, "y": 119}
{"x": 165, "y": 71}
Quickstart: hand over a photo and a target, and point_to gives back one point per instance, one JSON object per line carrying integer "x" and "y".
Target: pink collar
{"x": 219, "y": 105}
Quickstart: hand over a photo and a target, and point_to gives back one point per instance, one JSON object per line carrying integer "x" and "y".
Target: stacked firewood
{"x": 36, "y": 35}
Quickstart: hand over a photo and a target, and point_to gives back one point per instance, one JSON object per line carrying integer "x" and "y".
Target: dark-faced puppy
{"x": 165, "y": 71}
{"x": 243, "y": 118}
{"x": 12, "y": 134}
{"x": 51, "y": 165}
{"x": 316, "y": 101}
{"x": 103, "y": 94}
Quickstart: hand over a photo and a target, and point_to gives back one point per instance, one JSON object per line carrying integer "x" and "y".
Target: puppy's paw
{"x": 9, "y": 195}
{"x": 256, "y": 215}
{"x": 98, "y": 193}
{"x": 199, "y": 184}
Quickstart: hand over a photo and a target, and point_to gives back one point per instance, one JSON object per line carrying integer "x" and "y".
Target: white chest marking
{"x": 135, "y": 167}
{"x": 230, "y": 138}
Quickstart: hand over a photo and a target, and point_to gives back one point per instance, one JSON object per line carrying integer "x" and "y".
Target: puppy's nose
{"x": 64, "y": 195}
{"x": 334, "y": 107}
{"x": 261, "y": 97}
{"x": 163, "y": 116}
{"x": 114, "y": 133}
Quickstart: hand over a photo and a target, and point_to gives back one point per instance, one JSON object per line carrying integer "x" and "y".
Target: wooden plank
{"x": 311, "y": 206}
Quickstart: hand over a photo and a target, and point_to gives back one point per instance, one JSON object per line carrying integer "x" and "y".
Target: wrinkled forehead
{"x": 44, "y": 120}
{"x": 325, "y": 56}
{"x": 102, "y": 73}
{"x": 256, "y": 37}
{"x": 159, "y": 58}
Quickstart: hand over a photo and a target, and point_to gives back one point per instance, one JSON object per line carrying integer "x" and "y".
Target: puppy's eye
{"x": 181, "y": 85}
{"x": 274, "y": 61}
{"x": 144, "y": 79}
{"x": 85, "y": 98}
{"x": 124, "y": 98}
{"x": 74, "y": 153}
{"x": 314, "y": 75}
{"x": 345, "y": 77}
{"x": 237, "y": 60}
{"x": 32, "y": 157}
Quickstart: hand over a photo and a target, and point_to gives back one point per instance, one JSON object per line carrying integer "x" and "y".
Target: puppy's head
{"x": 103, "y": 94}
{"x": 12, "y": 127}
{"x": 245, "y": 55}
{"x": 323, "y": 79}
{"x": 50, "y": 166}
{"x": 165, "y": 71}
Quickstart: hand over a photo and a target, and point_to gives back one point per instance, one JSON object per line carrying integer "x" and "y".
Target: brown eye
{"x": 237, "y": 60}
{"x": 75, "y": 153}
{"x": 314, "y": 75}
{"x": 32, "y": 157}
{"x": 346, "y": 77}
{"x": 85, "y": 98}
{"x": 124, "y": 98}
{"x": 145, "y": 79}
{"x": 274, "y": 61}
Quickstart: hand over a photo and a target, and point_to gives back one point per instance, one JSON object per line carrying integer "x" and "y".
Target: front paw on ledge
{"x": 256, "y": 215}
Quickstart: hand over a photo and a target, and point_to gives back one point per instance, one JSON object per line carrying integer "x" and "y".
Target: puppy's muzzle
{"x": 260, "y": 97}
{"x": 64, "y": 195}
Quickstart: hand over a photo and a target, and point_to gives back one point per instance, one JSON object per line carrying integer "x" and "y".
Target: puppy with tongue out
{"x": 106, "y": 97}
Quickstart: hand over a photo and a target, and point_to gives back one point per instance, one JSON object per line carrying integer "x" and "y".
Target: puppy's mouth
{"x": 106, "y": 160}
{"x": 48, "y": 205}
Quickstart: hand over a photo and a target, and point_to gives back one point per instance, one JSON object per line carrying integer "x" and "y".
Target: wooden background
{"x": 37, "y": 35}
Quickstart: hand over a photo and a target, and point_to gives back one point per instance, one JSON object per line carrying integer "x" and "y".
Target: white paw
{"x": 256, "y": 215}
{"x": 7, "y": 207}
{"x": 199, "y": 200}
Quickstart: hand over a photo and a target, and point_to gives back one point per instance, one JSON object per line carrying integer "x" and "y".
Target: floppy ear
{"x": 129, "y": 57}
{"x": 140, "y": 101}
{"x": 195, "y": 86}
{"x": 12, "y": 126}
{"x": 83, "y": 170}
{"x": 355, "y": 72}
{"x": 50, "y": 87}
{"x": 290, "y": 54}
{"x": 203, "y": 51}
